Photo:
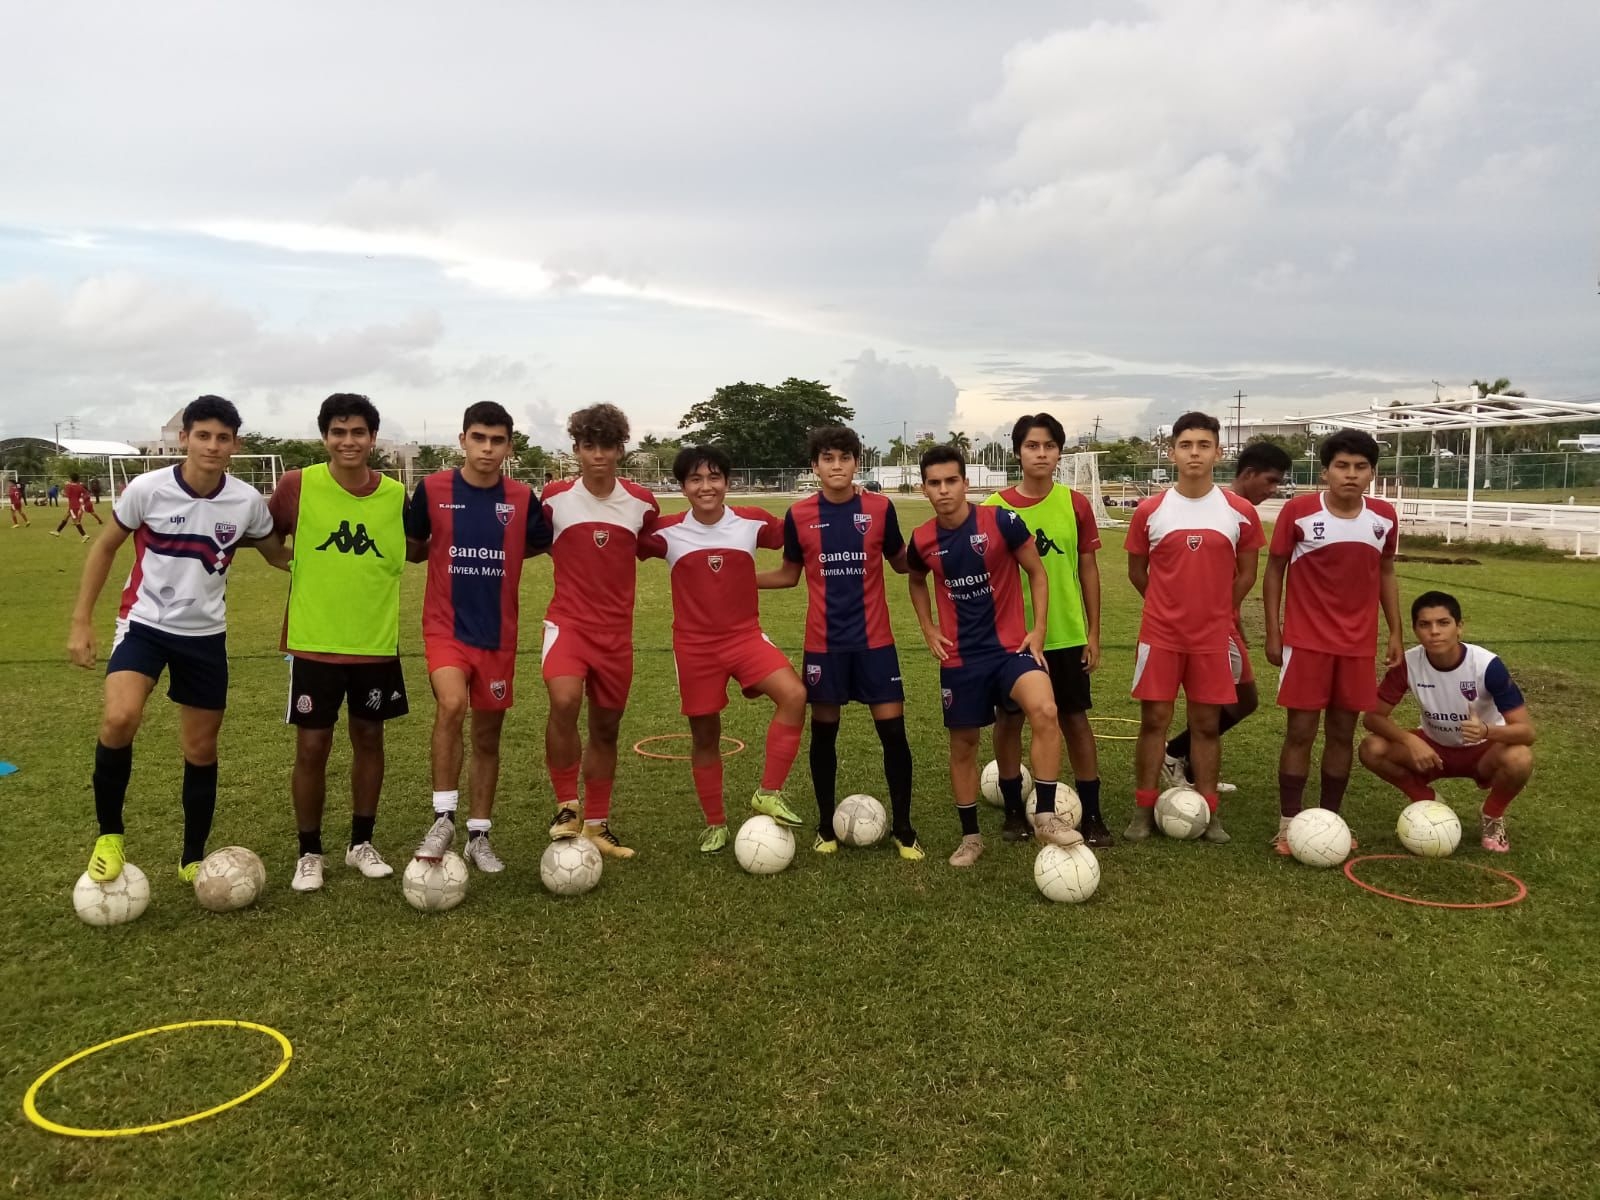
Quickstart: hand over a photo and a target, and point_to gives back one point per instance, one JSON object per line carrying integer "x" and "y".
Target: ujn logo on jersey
{"x": 602, "y": 536}
{"x": 980, "y": 542}
{"x": 1194, "y": 540}
{"x": 504, "y": 512}
{"x": 715, "y": 562}
{"x": 863, "y": 522}
{"x": 813, "y": 674}
{"x": 224, "y": 532}
{"x": 1469, "y": 688}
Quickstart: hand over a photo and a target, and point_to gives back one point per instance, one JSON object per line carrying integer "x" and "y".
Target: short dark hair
{"x": 602, "y": 424}
{"x": 1019, "y": 431}
{"x": 692, "y": 457}
{"x": 211, "y": 408}
{"x": 347, "y": 404}
{"x": 1263, "y": 456}
{"x": 1197, "y": 420}
{"x": 1349, "y": 441}
{"x": 832, "y": 437}
{"x": 1442, "y": 600}
{"x": 935, "y": 456}
{"x": 487, "y": 413}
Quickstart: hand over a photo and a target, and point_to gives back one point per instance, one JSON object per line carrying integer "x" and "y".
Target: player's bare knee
{"x": 366, "y": 737}
{"x": 451, "y": 710}
{"x": 119, "y": 726}
{"x": 485, "y": 736}
{"x": 312, "y": 746}
{"x": 1372, "y": 750}
{"x": 1516, "y": 765}
{"x": 604, "y": 727}
{"x": 964, "y": 745}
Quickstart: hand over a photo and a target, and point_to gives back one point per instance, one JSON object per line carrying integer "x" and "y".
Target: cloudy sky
{"x": 952, "y": 212}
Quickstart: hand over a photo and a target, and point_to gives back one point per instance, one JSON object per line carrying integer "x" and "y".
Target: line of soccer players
{"x": 1007, "y": 654}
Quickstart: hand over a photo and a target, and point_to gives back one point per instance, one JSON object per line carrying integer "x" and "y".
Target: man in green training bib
{"x": 1066, "y": 535}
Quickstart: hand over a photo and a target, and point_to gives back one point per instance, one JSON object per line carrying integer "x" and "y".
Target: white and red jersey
{"x": 183, "y": 544}
{"x": 1334, "y": 568}
{"x": 714, "y": 594}
{"x": 1477, "y": 686}
{"x": 594, "y": 549}
{"x": 1194, "y": 548}
{"x": 16, "y": 496}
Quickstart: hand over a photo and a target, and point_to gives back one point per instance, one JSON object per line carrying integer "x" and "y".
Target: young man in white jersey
{"x": 189, "y": 521}
{"x": 1475, "y": 723}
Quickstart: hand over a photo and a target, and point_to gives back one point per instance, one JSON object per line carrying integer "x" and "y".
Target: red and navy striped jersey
{"x": 477, "y": 539}
{"x": 842, "y": 548}
{"x": 977, "y": 587}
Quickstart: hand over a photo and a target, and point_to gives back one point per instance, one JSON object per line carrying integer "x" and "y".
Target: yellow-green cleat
{"x": 911, "y": 852}
{"x": 187, "y": 871}
{"x": 825, "y": 845}
{"x": 772, "y": 804}
{"x": 105, "y": 862}
{"x": 713, "y": 839}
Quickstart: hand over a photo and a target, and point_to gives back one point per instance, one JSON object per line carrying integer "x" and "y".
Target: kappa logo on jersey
{"x": 224, "y": 531}
{"x": 948, "y": 696}
{"x": 980, "y": 542}
{"x": 497, "y": 688}
{"x": 813, "y": 674}
{"x": 1194, "y": 540}
{"x": 1469, "y": 688}
{"x": 1046, "y": 545}
{"x": 375, "y": 699}
{"x": 714, "y": 562}
{"x": 863, "y": 522}
{"x": 357, "y": 543}
{"x": 504, "y": 512}
{"x": 1316, "y": 530}
{"x": 302, "y": 704}
{"x": 601, "y": 537}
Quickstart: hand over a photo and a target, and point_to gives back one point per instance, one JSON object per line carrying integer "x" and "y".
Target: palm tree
{"x": 960, "y": 441}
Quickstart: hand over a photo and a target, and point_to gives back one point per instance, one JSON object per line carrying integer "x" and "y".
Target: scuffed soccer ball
{"x": 122, "y": 899}
{"x": 989, "y": 784}
{"x": 1182, "y": 813}
{"x": 1319, "y": 838}
{"x": 1429, "y": 828}
{"x": 435, "y": 886}
{"x": 1068, "y": 806}
{"x": 859, "y": 820}
{"x": 1066, "y": 874}
{"x": 763, "y": 847}
{"x": 229, "y": 878}
{"x": 570, "y": 866}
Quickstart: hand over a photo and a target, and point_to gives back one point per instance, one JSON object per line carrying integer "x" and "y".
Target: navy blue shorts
{"x": 865, "y": 676}
{"x": 972, "y": 691}
{"x": 198, "y": 665}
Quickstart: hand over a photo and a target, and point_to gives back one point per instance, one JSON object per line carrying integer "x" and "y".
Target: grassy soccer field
{"x": 1217, "y": 1021}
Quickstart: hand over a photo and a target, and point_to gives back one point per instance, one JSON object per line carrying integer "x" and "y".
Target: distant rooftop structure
{"x": 76, "y": 447}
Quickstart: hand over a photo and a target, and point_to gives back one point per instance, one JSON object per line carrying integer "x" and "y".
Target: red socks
{"x": 564, "y": 780}
{"x": 1145, "y": 797}
{"x": 708, "y": 787}
{"x": 597, "y": 798}
{"x": 1494, "y": 807}
{"x": 783, "y": 744}
{"x": 1415, "y": 789}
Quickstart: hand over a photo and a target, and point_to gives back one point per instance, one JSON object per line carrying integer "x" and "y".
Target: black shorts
{"x": 375, "y": 691}
{"x": 198, "y": 665}
{"x": 1068, "y": 678}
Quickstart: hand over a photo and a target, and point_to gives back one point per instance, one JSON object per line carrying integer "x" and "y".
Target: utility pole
{"x": 1238, "y": 419}
{"x": 1095, "y": 439}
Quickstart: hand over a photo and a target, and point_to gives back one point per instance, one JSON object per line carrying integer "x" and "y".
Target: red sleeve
{"x": 1088, "y": 527}
{"x": 1286, "y": 532}
{"x": 1137, "y": 543}
{"x": 1251, "y": 537}
{"x": 1395, "y": 684}
{"x": 284, "y": 503}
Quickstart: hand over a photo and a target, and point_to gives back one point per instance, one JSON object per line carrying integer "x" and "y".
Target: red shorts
{"x": 16, "y": 506}
{"x": 1313, "y": 681}
{"x": 704, "y": 669}
{"x": 1239, "y": 659}
{"x": 490, "y": 673}
{"x": 1204, "y": 678}
{"x": 74, "y": 514}
{"x": 605, "y": 664}
{"x": 1460, "y": 762}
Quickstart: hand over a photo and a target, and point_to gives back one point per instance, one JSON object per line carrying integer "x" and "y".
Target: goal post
{"x": 260, "y": 471}
{"x": 1081, "y": 472}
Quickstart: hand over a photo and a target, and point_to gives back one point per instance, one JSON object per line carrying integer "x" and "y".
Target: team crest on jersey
{"x": 948, "y": 696}
{"x": 302, "y": 705}
{"x": 1378, "y": 530}
{"x": 497, "y": 688}
{"x": 504, "y": 512}
{"x": 1194, "y": 540}
{"x": 863, "y": 522}
{"x": 224, "y": 531}
{"x": 602, "y": 536}
{"x": 714, "y": 562}
{"x": 1316, "y": 530}
{"x": 813, "y": 674}
{"x": 1469, "y": 688}
{"x": 980, "y": 542}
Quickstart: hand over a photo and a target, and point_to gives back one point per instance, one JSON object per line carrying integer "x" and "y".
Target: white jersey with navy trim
{"x": 1477, "y": 686}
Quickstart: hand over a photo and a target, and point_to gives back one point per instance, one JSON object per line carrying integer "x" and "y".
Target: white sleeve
{"x": 130, "y": 508}
{"x": 259, "y": 524}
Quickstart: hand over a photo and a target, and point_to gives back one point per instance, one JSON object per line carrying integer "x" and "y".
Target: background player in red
{"x": 595, "y": 524}
{"x": 840, "y": 539}
{"x": 716, "y": 633}
{"x": 1192, "y": 556}
{"x": 473, "y": 527}
{"x": 1337, "y": 547}
{"x": 18, "y": 505}
{"x": 77, "y": 498}
{"x": 1475, "y": 723}
{"x": 988, "y": 657}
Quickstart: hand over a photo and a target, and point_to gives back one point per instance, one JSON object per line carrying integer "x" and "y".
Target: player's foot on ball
{"x": 773, "y": 804}
{"x": 909, "y": 848}
{"x": 566, "y": 823}
{"x": 1142, "y": 825}
{"x": 1016, "y": 828}
{"x": 364, "y": 857}
{"x": 440, "y": 837}
{"x": 1095, "y": 832}
{"x": 1494, "y": 835}
{"x": 1174, "y": 771}
{"x": 1280, "y": 840}
{"x": 1215, "y": 833}
{"x": 187, "y": 871}
{"x": 715, "y": 838}
{"x": 825, "y": 845}
{"x": 105, "y": 861}
{"x": 481, "y": 854}
{"x": 307, "y": 873}
{"x": 969, "y": 852}
{"x": 609, "y": 845}
{"x": 1053, "y": 828}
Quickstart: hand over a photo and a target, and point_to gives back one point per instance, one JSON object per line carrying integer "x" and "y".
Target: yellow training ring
{"x": 1116, "y": 737}
{"x": 45, "y": 1123}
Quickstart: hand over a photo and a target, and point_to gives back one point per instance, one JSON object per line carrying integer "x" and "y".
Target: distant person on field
{"x": 1475, "y": 723}
{"x": 19, "y": 513}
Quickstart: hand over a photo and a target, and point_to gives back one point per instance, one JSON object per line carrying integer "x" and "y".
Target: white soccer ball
{"x": 113, "y": 903}
{"x": 570, "y": 866}
{"x": 1068, "y": 806}
{"x": 859, "y": 820}
{"x": 435, "y": 886}
{"x": 1429, "y": 828}
{"x": 1066, "y": 874}
{"x": 989, "y": 784}
{"x": 1319, "y": 838}
{"x": 229, "y": 878}
{"x": 763, "y": 847}
{"x": 1182, "y": 813}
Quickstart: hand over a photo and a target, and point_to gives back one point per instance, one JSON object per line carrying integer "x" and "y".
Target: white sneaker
{"x": 440, "y": 837}
{"x": 481, "y": 855}
{"x": 366, "y": 859}
{"x": 1174, "y": 772}
{"x": 308, "y": 873}
{"x": 1224, "y": 788}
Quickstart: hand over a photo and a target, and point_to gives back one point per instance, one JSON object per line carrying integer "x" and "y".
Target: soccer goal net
{"x": 260, "y": 471}
{"x": 1081, "y": 473}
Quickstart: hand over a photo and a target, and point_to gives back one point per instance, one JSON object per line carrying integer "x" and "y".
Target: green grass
{"x": 1215, "y": 1022}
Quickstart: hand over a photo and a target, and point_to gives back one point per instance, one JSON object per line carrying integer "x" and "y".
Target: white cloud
{"x": 887, "y": 394}
{"x": 415, "y": 202}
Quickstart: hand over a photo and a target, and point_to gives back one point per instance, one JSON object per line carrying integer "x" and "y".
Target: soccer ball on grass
{"x": 435, "y": 886}
{"x": 763, "y": 847}
{"x": 570, "y": 866}
{"x": 1066, "y": 874}
{"x": 1319, "y": 838}
{"x": 1182, "y": 813}
{"x": 1429, "y": 828}
{"x": 859, "y": 820}
{"x": 229, "y": 878}
{"x": 115, "y": 902}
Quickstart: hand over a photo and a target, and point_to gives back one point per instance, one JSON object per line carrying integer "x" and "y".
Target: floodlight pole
{"x": 1472, "y": 463}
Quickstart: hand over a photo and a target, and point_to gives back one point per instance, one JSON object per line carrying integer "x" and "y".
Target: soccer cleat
{"x": 566, "y": 823}
{"x": 1224, "y": 788}
{"x": 1174, "y": 772}
{"x": 1354, "y": 844}
{"x": 1215, "y": 833}
{"x": 1280, "y": 840}
{"x": 187, "y": 871}
{"x": 365, "y": 858}
{"x": 715, "y": 838}
{"x": 105, "y": 861}
{"x": 1052, "y": 828}
{"x": 910, "y": 850}
{"x": 609, "y": 845}
{"x": 969, "y": 852}
{"x": 1016, "y": 828}
{"x": 86, "y": 537}
{"x": 55, "y": 533}
{"x": 772, "y": 804}
{"x": 1095, "y": 832}
{"x": 307, "y": 873}
{"x": 1142, "y": 825}
{"x": 440, "y": 837}
{"x": 1494, "y": 834}
{"x": 481, "y": 855}
{"x": 825, "y": 845}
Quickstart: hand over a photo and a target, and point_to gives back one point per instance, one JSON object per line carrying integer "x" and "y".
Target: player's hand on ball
{"x": 937, "y": 642}
{"x": 80, "y": 646}
{"x": 1473, "y": 731}
{"x": 1423, "y": 756}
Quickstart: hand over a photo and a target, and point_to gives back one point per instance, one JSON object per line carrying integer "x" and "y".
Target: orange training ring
{"x": 638, "y": 747}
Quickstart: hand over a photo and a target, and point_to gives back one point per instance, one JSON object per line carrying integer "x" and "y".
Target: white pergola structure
{"x": 1471, "y": 413}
